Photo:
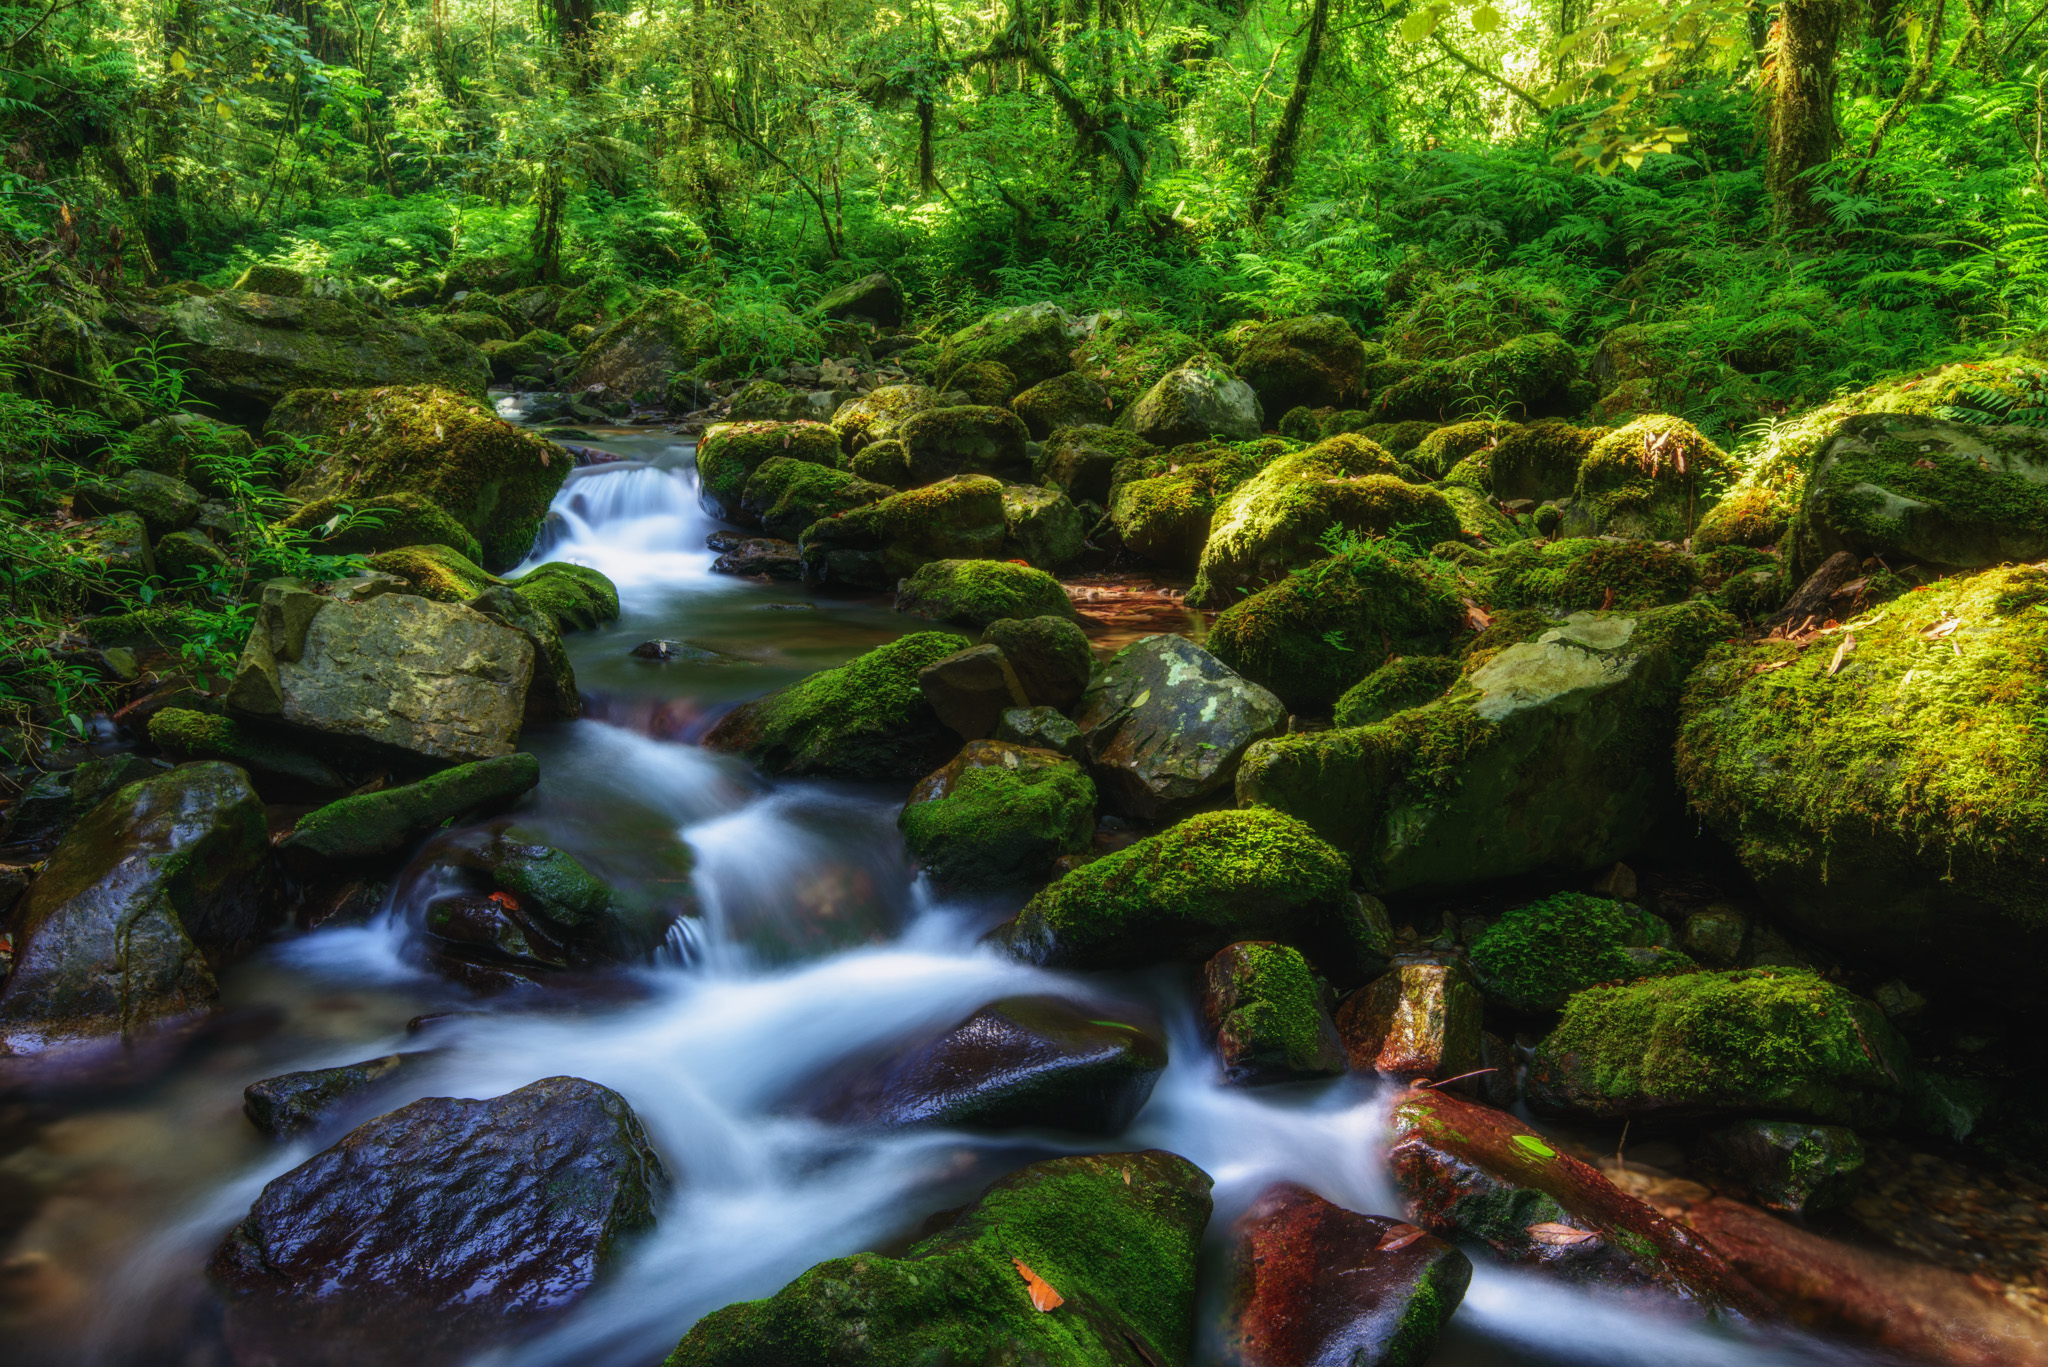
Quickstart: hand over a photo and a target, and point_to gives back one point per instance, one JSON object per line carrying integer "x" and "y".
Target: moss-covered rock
{"x": 1535, "y": 957}
{"x": 476, "y": 328}
{"x": 785, "y": 496}
{"x": 437, "y": 572}
{"x": 1745, "y": 516}
{"x": 551, "y": 694}
{"x": 1316, "y": 361}
{"x": 974, "y": 593}
{"x": 1198, "y": 400}
{"x": 1397, "y": 438}
{"x": 284, "y": 282}
{"x": 1787, "y": 1165}
{"x": 668, "y": 332}
{"x": 384, "y": 522}
{"x": 767, "y": 401}
{"x": 1162, "y": 506}
{"x": 886, "y": 463}
{"x": 1751, "y": 584}
{"x": 1744, "y": 1042}
{"x": 1068, "y": 400}
{"x": 997, "y": 816}
{"x": 1539, "y": 461}
{"x": 729, "y": 453}
{"x": 1399, "y": 684}
{"x": 989, "y": 384}
{"x": 1044, "y": 527}
{"x": 164, "y": 504}
{"x": 1550, "y": 753}
{"x": 1651, "y": 480}
{"x": 1314, "y": 634}
{"x": 1481, "y": 521}
{"x": 865, "y": 719}
{"x": 968, "y": 440}
{"x": 184, "y": 446}
{"x": 377, "y": 830}
{"x": 1269, "y": 1015}
{"x": 1050, "y": 656}
{"x": 876, "y": 415}
{"x": 873, "y": 547}
{"x": 1031, "y": 342}
{"x": 874, "y": 298}
{"x": 493, "y": 478}
{"x": 202, "y": 735}
{"x": 1181, "y": 895}
{"x": 179, "y": 554}
{"x": 1115, "y": 1236}
{"x": 1280, "y": 518}
{"x": 1584, "y": 572}
{"x": 578, "y": 597}
{"x": 1083, "y": 460}
{"x": 118, "y": 543}
{"x": 1127, "y": 356}
{"x": 1528, "y": 377}
{"x": 1444, "y": 447}
{"x": 1888, "y": 806}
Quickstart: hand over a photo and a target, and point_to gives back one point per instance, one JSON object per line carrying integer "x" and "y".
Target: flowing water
{"x": 815, "y": 943}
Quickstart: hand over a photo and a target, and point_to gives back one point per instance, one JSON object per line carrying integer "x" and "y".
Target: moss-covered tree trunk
{"x": 1280, "y": 153}
{"x": 1801, "y": 86}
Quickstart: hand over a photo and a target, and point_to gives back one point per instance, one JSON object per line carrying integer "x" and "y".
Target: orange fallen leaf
{"x": 1397, "y": 1238}
{"x": 1043, "y": 1297}
{"x": 1559, "y": 1236}
{"x": 1608, "y": 601}
{"x": 506, "y": 900}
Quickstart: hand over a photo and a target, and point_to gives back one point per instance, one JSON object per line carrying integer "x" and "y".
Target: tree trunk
{"x": 1280, "y": 152}
{"x": 1802, "y": 110}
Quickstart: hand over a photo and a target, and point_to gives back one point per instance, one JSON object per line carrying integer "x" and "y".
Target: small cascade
{"x": 637, "y": 524}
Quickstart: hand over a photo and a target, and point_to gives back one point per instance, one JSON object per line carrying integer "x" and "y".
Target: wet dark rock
{"x": 290, "y": 1104}
{"x": 759, "y": 555}
{"x": 684, "y": 653}
{"x": 1269, "y": 1015}
{"x": 52, "y": 804}
{"x": 971, "y": 689}
{"x": 430, "y": 1233}
{"x": 1419, "y": 1021}
{"x": 1787, "y": 1165}
{"x": 1715, "y": 934}
{"x": 1468, "y": 1171}
{"x": 1313, "y": 1283}
{"x": 866, "y": 719}
{"x": 998, "y": 816}
{"x": 551, "y": 691}
{"x": 1050, "y": 655}
{"x": 1041, "y": 728}
{"x": 1167, "y": 724}
{"x": 375, "y": 830}
{"x": 1022, "y": 1062}
{"x": 111, "y": 941}
{"x": 873, "y": 547}
{"x": 1114, "y": 1236}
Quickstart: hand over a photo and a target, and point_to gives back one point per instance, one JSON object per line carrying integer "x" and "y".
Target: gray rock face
{"x": 873, "y": 298}
{"x": 971, "y": 690}
{"x": 1195, "y": 402}
{"x": 429, "y": 1233}
{"x": 108, "y": 941}
{"x": 432, "y": 679}
{"x": 1941, "y": 493}
{"x": 1041, "y": 728}
{"x": 551, "y": 696}
{"x": 1044, "y": 527}
{"x": 1166, "y": 724}
{"x": 1069, "y": 400}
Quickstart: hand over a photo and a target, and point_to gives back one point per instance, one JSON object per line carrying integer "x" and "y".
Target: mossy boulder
{"x": 578, "y": 597}
{"x": 1315, "y": 361}
{"x": 997, "y": 816}
{"x": 974, "y": 593}
{"x": 865, "y": 719}
{"x": 1070, "y": 400}
{"x": 1312, "y": 635}
{"x": 1269, "y": 1015}
{"x": 475, "y": 327}
{"x": 1651, "y": 480}
{"x": 1481, "y": 521}
{"x": 1536, "y": 956}
{"x": 873, "y": 547}
{"x": 1162, "y": 506}
{"x": 1198, "y": 400}
{"x": 1445, "y": 447}
{"x": 1031, "y": 342}
{"x": 204, "y": 735}
{"x": 968, "y": 440}
{"x": 784, "y": 496}
{"x": 1181, "y": 895}
{"x": 376, "y": 831}
{"x": 876, "y": 415}
{"x": 441, "y": 573}
{"x": 493, "y": 478}
{"x": 184, "y": 446}
{"x": 1760, "y": 1041}
{"x": 118, "y": 543}
{"x": 284, "y": 282}
{"x": 1083, "y": 460}
{"x": 729, "y": 453}
{"x": 1918, "y": 489}
{"x": 385, "y": 522}
{"x": 767, "y": 401}
{"x": 984, "y": 383}
{"x": 1550, "y": 754}
{"x": 1528, "y": 377}
{"x": 1397, "y": 438}
{"x": 1887, "y": 805}
{"x": 1050, "y": 656}
{"x": 666, "y": 333}
{"x": 1127, "y": 356}
{"x": 1745, "y": 516}
{"x": 179, "y": 555}
{"x": 874, "y": 298}
{"x": 886, "y": 463}
{"x": 1538, "y": 461}
{"x": 1114, "y": 1236}
{"x": 1589, "y": 572}
{"x": 244, "y": 353}
{"x": 164, "y": 504}
{"x": 1044, "y": 527}
{"x": 1399, "y": 684}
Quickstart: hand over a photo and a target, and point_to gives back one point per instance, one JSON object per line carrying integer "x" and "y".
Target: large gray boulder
{"x": 1166, "y": 724}
{"x": 1196, "y": 401}
{"x": 436, "y": 681}
{"x": 110, "y": 939}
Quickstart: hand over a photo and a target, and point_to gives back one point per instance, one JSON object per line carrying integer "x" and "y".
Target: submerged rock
{"x": 1313, "y": 1283}
{"x": 998, "y": 816}
{"x": 760, "y": 555}
{"x": 1112, "y": 1239}
{"x": 435, "y": 1231}
{"x": 1185, "y": 893}
{"x": 866, "y": 719}
{"x": 1269, "y": 1014}
{"x": 1022, "y": 1062}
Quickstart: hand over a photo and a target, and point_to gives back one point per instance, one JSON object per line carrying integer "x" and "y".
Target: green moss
{"x": 1906, "y": 489}
{"x": 1302, "y": 423}
{"x": 866, "y": 719}
{"x": 1082, "y": 460}
{"x": 1538, "y": 955}
{"x": 1315, "y": 360}
{"x": 974, "y": 593}
{"x": 1747, "y": 516}
{"x": 177, "y": 554}
{"x": 200, "y": 735}
{"x": 1652, "y": 479}
{"x": 762, "y": 401}
{"x": 940, "y": 442}
{"x": 576, "y": 596}
{"x": 383, "y": 826}
{"x": 383, "y": 523}
{"x": 1444, "y": 447}
{"x": 1127, "y": 357}
{"x": 956, "y": 519}
{"x": 1398, "y": 438}
{"x": 1031, "y": 342}
{"x": 1161, "y": 505}
{"x": 1540, "y": 461}
{"x": 1528, "y": 377}
{"x": 876, "y": 415}
{"x": 437, "y": 572}
{"x": 886, "y": 463}
{"x": 987, "y": 383}
{"x": 1396, "y": 686}
{"x": 475, "y": 327}
{"x": 1005, "y": 815}
{"x": 1279, "y": 1022}
{"x": 1754, "y": 1040}
{"x": 1591, "y": 573}
{"x": 184, "y": 446}
{"x": 1312, "y": 635}
{"x": 785, "y": 496}
{"x": 1214, "y": 879}
{"x": 490, "y": 476}
{"x": 730, "y": 452}
{"x": 281, "y": 281}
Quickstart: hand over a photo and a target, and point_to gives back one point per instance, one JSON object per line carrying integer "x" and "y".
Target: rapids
{"x": 815, "y": 941}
